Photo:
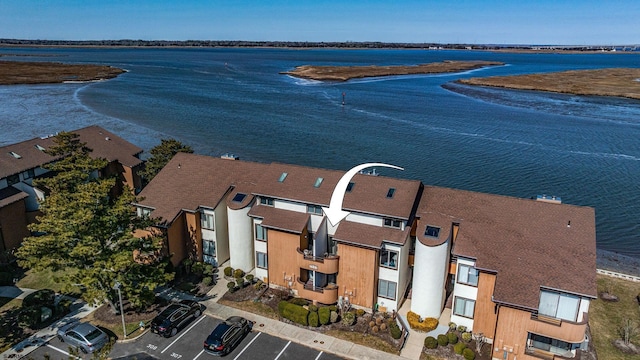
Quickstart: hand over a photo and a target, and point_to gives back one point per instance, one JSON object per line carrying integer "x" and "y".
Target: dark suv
{"x": 175, "y": 317}
{"x": 227, "y": 335}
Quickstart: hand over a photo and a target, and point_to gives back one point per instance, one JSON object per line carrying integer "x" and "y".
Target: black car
{"x": 227, "y": 335}
{"x": 175, "y": 316}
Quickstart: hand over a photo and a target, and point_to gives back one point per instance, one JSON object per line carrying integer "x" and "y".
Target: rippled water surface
{"x": 517, "y": 143}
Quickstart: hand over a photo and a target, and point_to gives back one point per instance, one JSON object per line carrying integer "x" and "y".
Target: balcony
{"x": 546, "y": 355}
{"x": 325, "y": 264}
{"x": 324, "y": 295}
{"x": 571, "y": 332}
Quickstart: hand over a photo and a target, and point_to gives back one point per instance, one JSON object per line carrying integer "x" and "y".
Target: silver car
{"x": 83, "y": 336}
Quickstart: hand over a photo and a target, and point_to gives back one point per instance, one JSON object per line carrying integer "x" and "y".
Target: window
{"x": 393, "y": 223}
{"x": 13, "y": 179}
{"x": 318, "y": 182}
{"x": 143, "y": 212}
{"x": 387, "y": 289}
{"x": 467, "y": 275}
{"x": 39, "y": 147}
{"x": 432, "y": 231}
{"x": 464, "y": 307}
{"x": 314, "y": 209}
{"x": 389, "y": 258}
{"x": 551, "y": 345}
{"x": 206, "y": 221}
{"x": 261, "y": 260}
{"x": 209, "y": 251}
{"x": 266, "y": 201}
{"x": 350, "y": 186}
{"x": 239, "y": 197}
{"x": 390, "y": 193}
{"x": 282, "y": 177}
{"x": 559, "y": 305}
{"x": 261, "y": 233}
{"x": 28, "y": 174}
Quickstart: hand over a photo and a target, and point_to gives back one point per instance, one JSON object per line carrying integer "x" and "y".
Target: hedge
{"x": 324, "y": 315}
{"x": 228, "y": 271}
{"x": 459, "y": 348}
{"x": 425, "y": 325}
{"x": 453, "y": 338}
{"x": 468, "y": 354}
{"x": 313, "y": 319}
{"x": 394, "y": 330}
{"x": 293, "y": 312}
{"x": 238, "y": 273}
{"x": 430, "y": 342}
{"x": 313, "y": 308}
{"x": 443, "y": 340}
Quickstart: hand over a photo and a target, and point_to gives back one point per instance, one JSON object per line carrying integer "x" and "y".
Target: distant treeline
{"x": 304, "y": 44}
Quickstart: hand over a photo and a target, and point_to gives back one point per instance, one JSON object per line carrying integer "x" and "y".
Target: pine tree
{"x": 86, "y": 232}
{"x": 160, "y": 156}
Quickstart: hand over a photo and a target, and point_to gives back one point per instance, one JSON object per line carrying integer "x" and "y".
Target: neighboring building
{"x": 520, "y": 271}
{"x": 22, "y": 162}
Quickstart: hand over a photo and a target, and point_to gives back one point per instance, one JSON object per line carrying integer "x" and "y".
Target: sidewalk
{"x": 79, "y": 310}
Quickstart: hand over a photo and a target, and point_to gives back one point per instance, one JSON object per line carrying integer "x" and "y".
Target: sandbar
{"x": 618, "y": 82}
{"x": 344, "y": 73}
{"x": 24, "y": 72}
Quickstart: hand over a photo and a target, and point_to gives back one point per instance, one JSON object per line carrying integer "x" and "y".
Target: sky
{"x": 540, "y": 22}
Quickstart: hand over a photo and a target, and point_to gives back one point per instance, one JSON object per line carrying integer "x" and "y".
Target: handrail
{"x": 319, "y": 259}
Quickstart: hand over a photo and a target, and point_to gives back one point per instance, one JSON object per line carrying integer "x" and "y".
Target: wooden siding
{"x": 281, "y": 252}
{"x": 13, "y": 224}
{"x": 358, "y": 275}
{"x": 194, "y": 236}
{"x": 485, "y": 311}
{"x": 176, "y": 240}
{"x": 514, "y": 325}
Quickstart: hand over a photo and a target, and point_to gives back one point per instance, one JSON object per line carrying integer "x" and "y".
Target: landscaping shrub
{"x": 249, "y": 277}
{"x": 375, "y": 329}
{"x": 63, "y": 307}
{"x": 231, "y": 286}
{"x": 459, "y": 348}
{"x": 238, "y": 273}
{"x": 425, "y": 325}
{"x": 240, "y": 282}
{"x": 198, "y": 268}
{"x": 359, "y": 312}
{"x": 208, "y": 269}
{"x": 452, "y": 326}
{"x": 228, "y": 271}
{"x": 395, "y": 330}
{"x": 6, "y": 279}
{"x": 299, "y": 301}
{"x": 333, "y": 318}
{"x": 313, "y": 308}
{"x": 293, "y": 312}
{"x": 466, "y": 337}
{"x": 186, "y": 265}
{"x": 40, "y": 297}
{"x": 313, "y": 319}
{"x": 383, "y": 327}
{"x": 453, "y": 338}
{"x": 468, "y": 354}
{"x": 349, "y": 319}
{"x": 29, "y": 316}
{"x": 379, "y": 321}
{"x": 258, "y": 284}
{"x": 324, "y": 315}
{"x": 372, "y": 323}
{"x": 462, "y": 328}
{"x": 207, "y": 280}
{"x": 430, "y": 342}
{"x": 443, "y": 340}
{"x": 333, "y": 308}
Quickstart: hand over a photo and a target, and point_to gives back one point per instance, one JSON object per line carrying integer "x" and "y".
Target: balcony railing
{"x": 325, "y": 295}
{"x": 324, "y": 264}
{"x": 540, "y": 354}
{"x": 565, "y": 330}
{"x": 546, "y": 319}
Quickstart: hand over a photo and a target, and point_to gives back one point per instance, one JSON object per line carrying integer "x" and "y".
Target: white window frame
{"x": 466, "y": 303}
{"x": 465, "y": 272}
{"x": 265, "y": 263}
{"x": 261, "y": 232}
{"x": 207, "y": 221}
{"x": 559, "y": 305}
{"x": 387, "y": 259}
{"x": 384, "y": 287}
{"x": 391, "y": 223}
{"x": 266, "y": 201}
{"x": 314, "y": 209}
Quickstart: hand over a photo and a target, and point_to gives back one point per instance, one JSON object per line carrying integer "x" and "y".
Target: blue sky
{"x": 575, "y": 22}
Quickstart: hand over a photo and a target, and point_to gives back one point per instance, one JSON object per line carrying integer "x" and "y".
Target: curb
{"x": 132, "y": 339}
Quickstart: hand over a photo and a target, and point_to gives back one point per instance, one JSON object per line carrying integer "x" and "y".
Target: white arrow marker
{"x": 334, "y": 212}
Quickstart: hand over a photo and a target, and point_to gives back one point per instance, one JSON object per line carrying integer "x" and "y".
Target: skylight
{"x": 391, "y": 192}
{"x": 15, "y": 155}
{"x": 350, "y": 186}
{"x": 432, "y": 231}
{"x": 239, "y": 197}
{"x": 39, "y": 147}
{"x": 282, "y": 177}
{"x": 318, "y": 182}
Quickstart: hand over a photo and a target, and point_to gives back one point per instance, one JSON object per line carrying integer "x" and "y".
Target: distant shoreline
{"x": 344, "y": 73}
{"x": 20, "y": 73}
{"x": 617, "y": 82}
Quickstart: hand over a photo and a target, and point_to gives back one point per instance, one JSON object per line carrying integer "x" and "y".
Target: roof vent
{"x": 229, "y": 156}
{"x": 39, "y": 147}
{"x": 107, "y": 138}
{"x": 318, "y": 182}
{"x": 282, "y": 177}
{"x": 549, "y": 198}
{"x": 15, "y": 155}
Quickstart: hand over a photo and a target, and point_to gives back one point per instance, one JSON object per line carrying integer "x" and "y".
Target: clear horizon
{"x": 543, "y": 22}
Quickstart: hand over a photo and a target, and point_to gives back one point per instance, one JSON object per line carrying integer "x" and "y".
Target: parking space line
{"x": 318, "y": 357}
{"x": 200, "y": 353}
{"x": 283, "y": 349}
{"x": 184, "y": 332}
{"x": 61, "y": 351}
{"x": 245, "y": 348}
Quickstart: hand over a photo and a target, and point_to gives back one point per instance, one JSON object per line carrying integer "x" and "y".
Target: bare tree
{"x": 480, "y": 340}
{"x": 628, "y": 330}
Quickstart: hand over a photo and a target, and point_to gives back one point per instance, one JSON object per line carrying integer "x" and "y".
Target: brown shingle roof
{"x": 280, "y": 219}
{"x": 189, "y": 181}
{"x": 9, "y": 195}
{"x": 369, "y": 194}
{"x": 31, "y": 156}
{"x": 527, "y": 242}
{"x": 369, "y": 235}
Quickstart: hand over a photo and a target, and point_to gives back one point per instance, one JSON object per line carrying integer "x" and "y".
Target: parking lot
{"x": 188, "y": 344}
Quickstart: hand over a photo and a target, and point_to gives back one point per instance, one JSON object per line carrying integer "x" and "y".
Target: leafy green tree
{"x": 160, "y": 156}
{"x": 88, "y": 233}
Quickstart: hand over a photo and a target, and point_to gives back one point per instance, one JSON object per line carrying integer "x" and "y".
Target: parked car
{"x": 227, "y": 335}
{"x": 175, "y": 316}
{"x": 83, "y": 336}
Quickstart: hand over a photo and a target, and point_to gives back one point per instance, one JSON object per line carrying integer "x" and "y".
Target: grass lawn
{"x": 252, "y": 307}
{"x": 8, "y": 334}
{"x": 373, "y": 342}
{"x": 43, "y": 280}
{"x": 605, "y": 318}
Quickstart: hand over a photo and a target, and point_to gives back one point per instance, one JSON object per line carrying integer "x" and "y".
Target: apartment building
{"x": 23, "y": 162}
{"x": 520, "y": 271}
